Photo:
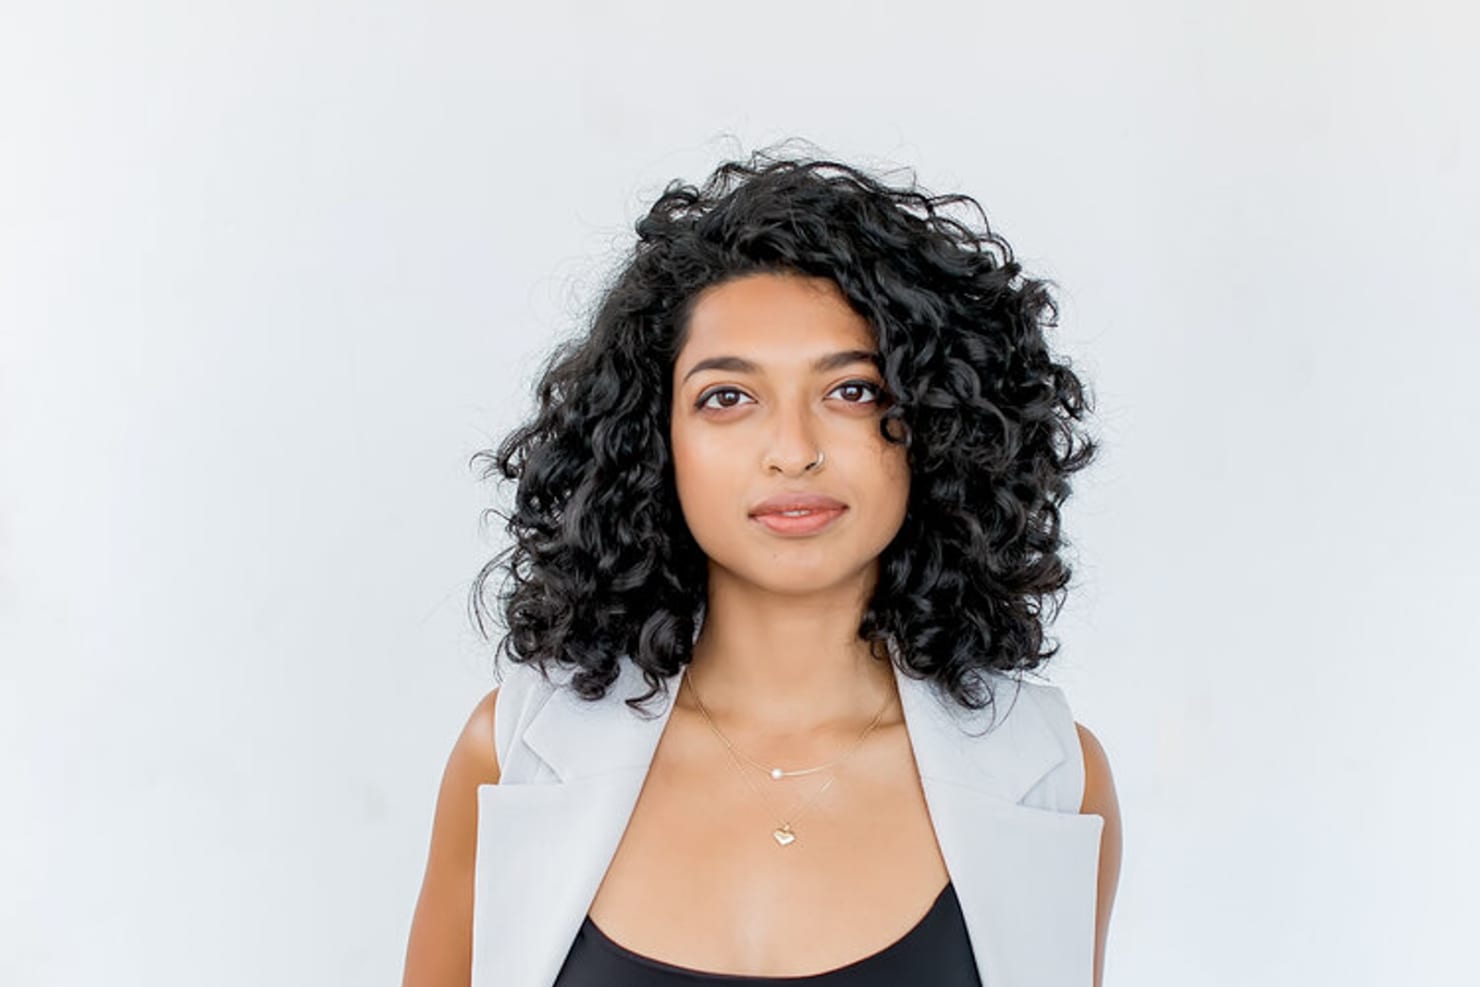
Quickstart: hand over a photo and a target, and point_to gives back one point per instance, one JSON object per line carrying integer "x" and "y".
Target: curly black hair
{"x": 601, "y": 563}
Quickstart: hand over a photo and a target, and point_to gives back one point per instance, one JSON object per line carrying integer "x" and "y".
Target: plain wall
{"x": 271, "y": 273}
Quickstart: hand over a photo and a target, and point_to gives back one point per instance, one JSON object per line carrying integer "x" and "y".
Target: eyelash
{"x": 877, "y": 390}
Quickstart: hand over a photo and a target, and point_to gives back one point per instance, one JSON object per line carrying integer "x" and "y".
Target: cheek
{"x": 898, "y": 496}
{"x": 701, "y": 474}
{"x": 891, "y": 494}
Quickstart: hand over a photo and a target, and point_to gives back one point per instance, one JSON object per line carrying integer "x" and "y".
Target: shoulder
{"x": 1094, "y": 780}
{"x": 1099, "y": 782}
{"x": 474, "y": 757}
{"x": 1036, "y": 737}
{"x": 1100, "y": 800}
{"x": 1082, "y": 782}
{"x": 441, "y": 926}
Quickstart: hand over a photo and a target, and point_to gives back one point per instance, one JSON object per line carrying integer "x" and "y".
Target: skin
{"x": 696, "y": 879}
{"x": 779, "y": 654}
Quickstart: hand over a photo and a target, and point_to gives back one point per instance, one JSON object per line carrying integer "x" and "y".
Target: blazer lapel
{"x": 546, "y": 840}
{"x": 1025, "y": 877}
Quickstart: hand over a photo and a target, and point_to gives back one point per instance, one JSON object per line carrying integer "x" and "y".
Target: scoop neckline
{"x": 612, "y": 945}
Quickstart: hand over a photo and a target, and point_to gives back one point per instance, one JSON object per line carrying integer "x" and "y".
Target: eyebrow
{"x": 829, "y": 361}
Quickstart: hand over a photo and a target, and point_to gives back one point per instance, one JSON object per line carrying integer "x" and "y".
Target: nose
{"x": 793, "y": 446}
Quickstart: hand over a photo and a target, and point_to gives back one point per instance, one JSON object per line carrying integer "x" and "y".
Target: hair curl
{"x": 601, "y": 562}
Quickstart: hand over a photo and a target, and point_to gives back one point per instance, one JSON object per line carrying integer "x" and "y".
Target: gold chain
{"x": 783, "y": 834}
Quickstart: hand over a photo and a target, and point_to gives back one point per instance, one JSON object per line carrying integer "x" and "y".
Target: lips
{"x": 796, "y": 502}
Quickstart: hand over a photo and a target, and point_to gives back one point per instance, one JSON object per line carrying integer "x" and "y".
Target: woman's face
{"x": 775, "y": 372}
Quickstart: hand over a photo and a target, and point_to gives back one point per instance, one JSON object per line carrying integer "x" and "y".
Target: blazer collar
{"x": 563, "y": 731}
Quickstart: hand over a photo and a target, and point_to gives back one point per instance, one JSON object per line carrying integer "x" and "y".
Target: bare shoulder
{"x": 475, "y": 751}
{"x": 1099, "y": 781}
{"x": 439, "y": 949}
{"x": 1100, "y": 799}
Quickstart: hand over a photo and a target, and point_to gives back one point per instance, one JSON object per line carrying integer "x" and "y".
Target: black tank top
{"x": 935, "y": 953}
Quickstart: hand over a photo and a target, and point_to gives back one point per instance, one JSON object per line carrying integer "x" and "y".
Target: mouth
{"x": 799, "y": 522}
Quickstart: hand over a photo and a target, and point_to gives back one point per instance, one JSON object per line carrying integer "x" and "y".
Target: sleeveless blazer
{"x": 1003, "y": 793}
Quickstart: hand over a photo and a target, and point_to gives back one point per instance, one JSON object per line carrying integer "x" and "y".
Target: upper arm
{"x": 439, "y": 952}
{"x": 1100, "y": 799}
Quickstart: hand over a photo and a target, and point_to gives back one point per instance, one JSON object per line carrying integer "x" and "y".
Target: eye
{"x": 707, "y": 395}
{"x": 876, "y": 389}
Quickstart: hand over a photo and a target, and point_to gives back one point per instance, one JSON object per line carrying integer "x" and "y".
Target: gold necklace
{"x": 783, "y": 834}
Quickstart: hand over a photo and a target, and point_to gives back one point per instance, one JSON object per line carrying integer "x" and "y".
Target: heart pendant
{"x": 784, "y": 835}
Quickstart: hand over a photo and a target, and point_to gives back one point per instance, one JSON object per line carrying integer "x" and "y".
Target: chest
{"x": 589, "y": 815}
{"x": 698, "y": 880}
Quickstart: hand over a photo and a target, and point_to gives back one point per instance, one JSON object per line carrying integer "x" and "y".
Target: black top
{"x": 935, "y": 953}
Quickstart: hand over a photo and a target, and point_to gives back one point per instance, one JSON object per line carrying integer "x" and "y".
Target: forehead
{"x": 773, "y": 319}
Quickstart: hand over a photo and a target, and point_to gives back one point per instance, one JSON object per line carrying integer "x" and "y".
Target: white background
{"x": 270, "y": 273}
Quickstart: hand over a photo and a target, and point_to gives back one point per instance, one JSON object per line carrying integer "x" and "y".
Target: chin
{"x": 778, "y": 573}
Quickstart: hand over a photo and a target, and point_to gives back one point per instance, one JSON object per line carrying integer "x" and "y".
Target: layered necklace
{"x": 784, "y": 834}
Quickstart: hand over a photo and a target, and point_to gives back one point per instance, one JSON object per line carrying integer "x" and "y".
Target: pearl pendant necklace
{"x": 784, "y": 835}
{"x": 778, "y": 774}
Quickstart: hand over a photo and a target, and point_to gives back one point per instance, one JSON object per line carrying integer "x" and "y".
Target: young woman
{"x": 802, "y": 480}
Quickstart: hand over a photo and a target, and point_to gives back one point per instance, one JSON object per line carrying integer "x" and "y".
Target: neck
{"x": 787, "y": 665}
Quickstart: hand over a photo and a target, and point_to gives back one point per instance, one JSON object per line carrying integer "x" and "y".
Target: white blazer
{"x": 1004, "y": 807}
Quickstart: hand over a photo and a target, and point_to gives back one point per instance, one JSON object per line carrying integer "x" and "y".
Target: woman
{"x": 802, "y": 480}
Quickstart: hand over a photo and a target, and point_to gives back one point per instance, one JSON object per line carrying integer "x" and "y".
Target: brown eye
{"x": 868, "y": 385}
{"x": 707, "y": 395}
